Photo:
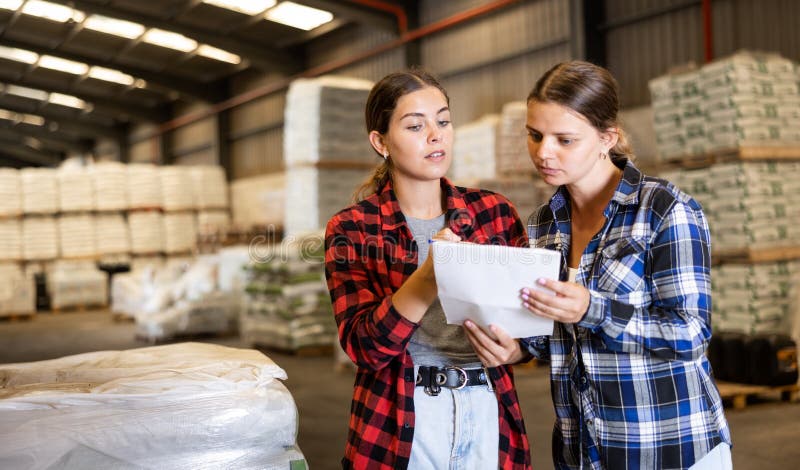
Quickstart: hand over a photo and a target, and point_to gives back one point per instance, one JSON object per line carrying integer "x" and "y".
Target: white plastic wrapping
{"x": 10, "y": 239}
{"x": 111, "y": 234}
{"x": 39, "y": 190}
{"x": 176, "y": 188}
{"x": 144, "y": 186}
{"x": 75, "y": 189}
{"x": 76, "y": 235}
{"x": 10, "y": 192}
{"x": 259, "y": 200}
{"x": 210, "y": 187}
{"x": 40, "y": 238}
{"x": 110, "y": 183}
{"x": 180, "y": 233}
{"x": 182, "y": 406}
{"x": 475, "y": 149}
{"x": 146, "y": 232}
{"x": 17, "y": 291}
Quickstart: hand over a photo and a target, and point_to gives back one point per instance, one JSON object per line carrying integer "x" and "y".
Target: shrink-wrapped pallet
{"x": 110, "y": 183}
{"x": 259, "y": 200}
{"x": 313, "y": 195}
{"x": 180, "y": 233}
{"x": 10, "y": 239}
{"x": 512, "y": 148}
{"x": 212, "y": 221}
{"x": 10, "y": 192}
{"x": 40, "y": 238}
{"x": 144, "y": 186}
{"x": 146, "y": 232}
{"x": 39, "y": 190}
{"x": 320, "y": 123}
{"x": 17, "y": 290}
{"x": 288, "y": 305}
{"x": 177, "y": 193}
{"x": 210, "y": 187}
{"x": 75, "y": 189}
{"x": 76, "y": 234}
{"x": 475, "y": 149}
{"x": 111, "y": 234}
{"x": 180, "y": 406}
{"x": 77, "y": 284}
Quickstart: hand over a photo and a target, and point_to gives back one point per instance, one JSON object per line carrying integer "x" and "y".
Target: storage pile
{"x": 512, "y": 148}
{"x": 748, "y": 204}
{"x": 744, "y": 99}
{"x": 475, "y": 149}
{"x": 17, "y": 290}
{"x": 325, "y": 149}
{"x": 754, "y": 298}
{"x": 77, "y": 284}
{"x": 287, "y": 305}
{"x": 186, "y": 405}
{"x": 10, "y": 193}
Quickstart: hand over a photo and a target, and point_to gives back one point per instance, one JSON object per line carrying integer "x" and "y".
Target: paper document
{"x": 482, "y": 283}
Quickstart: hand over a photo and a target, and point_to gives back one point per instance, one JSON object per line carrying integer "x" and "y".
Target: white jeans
{"x": 458, "y": 429}
{"x": 718, "y": 459}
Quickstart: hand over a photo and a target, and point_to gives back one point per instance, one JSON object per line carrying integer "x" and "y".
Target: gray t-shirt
{"x": 435, "y": 343}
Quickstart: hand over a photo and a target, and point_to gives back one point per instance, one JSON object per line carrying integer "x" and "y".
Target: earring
{"x": 603, "y": 155}
{"x": 385, "y": 155}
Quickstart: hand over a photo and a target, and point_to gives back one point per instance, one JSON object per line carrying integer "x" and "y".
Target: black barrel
{"x": 773, "y": 359}
{"x": 735, "y": 357}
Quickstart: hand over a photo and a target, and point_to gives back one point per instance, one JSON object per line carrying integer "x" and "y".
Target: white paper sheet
{"x": 482, "y": 283}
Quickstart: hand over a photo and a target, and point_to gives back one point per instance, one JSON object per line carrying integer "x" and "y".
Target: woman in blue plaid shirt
{"x": 630, "y": 381}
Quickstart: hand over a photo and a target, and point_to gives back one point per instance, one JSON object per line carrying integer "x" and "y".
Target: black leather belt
{"x": 433, "y": 378}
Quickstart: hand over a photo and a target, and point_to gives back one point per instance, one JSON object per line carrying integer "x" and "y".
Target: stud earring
{"x": 603, "y": 155}
{"x": 385, "y": 155}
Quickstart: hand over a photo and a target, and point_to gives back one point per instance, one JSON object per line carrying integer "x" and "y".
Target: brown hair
{"x": 381, "y": 103}
{"x": 589, "y": 90}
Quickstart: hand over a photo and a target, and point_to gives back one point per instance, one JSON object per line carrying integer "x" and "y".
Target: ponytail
{"x": 380, "y": 176}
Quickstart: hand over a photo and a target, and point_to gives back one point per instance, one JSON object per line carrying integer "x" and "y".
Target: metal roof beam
{"x": 112, "y": 106}
{"x": 203, "y": 91}
{"x": 67, "y": 124}
{"x": 50, "y": 140}
{"x": 265, "y": 58}
{"x": 26, "y": 154}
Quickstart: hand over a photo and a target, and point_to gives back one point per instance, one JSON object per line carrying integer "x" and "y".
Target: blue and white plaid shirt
{"x": 631, "y": 380}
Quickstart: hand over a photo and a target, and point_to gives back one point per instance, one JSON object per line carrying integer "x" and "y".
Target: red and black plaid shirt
{"x": 370, "y": 253}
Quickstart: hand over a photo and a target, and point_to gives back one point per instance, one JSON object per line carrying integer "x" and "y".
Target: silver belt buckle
{"x": 461, "y": 372}
{"x": 488, "y": 379}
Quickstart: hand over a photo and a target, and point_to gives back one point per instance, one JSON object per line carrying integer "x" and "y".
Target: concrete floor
{"x": 765, "y": 434}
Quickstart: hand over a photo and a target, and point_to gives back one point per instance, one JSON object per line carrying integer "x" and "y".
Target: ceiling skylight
{"x": 19, "y": 55}
{"x": 176, "y": 41}
{"x": 67, "y": 100}
{"x": 104, "y": 24}
{"x": 213, "y": 53}
{"x": 26, "y": 92}
{"x": 63, "y": 65}
{"x": 31, "y": 119}
{"x": 111, "y": 75}
{"x": 248, "y": 7}
{"x": 10, "y": 4}
{"x": 298, "y": 16}
{"x": 52, "y": 11}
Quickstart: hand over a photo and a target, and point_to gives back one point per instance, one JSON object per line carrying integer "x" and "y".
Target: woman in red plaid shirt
{"x": 422, "y": 398}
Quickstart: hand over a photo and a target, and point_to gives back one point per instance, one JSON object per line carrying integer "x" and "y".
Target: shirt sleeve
{"x": 676, "y": 323}
{"x": 371, "y": 331}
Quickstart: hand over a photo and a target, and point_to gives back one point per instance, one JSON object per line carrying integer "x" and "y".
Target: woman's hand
{"x": 493, "y": 352}
{"x": 568, "y": 305}
{"x": 444, "y": 234}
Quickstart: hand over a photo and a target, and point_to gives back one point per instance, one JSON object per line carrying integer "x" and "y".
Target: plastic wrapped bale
{"x": 17, "y": 290}
{"x": 185, "y": 406}
{"x": 110, "y": 183}
{"x": 77, "y": 284}
{"x": 112, "y": 235}
{"x": 180, "y": 232}
{"x": 75, "y": 189}
{"x": 40, "y": 238}
{"x": 144, "y": 186}
{"x": 76, "y": 234}
{"x": 10, "y": 240}
{"x": 215, "y": 313}
{"x": 10, "y": 192}
{"x": 287, "y": 304}
{"x": 39, "y": 190}
{"x": 147, "y": 232}
{"x": 210, "y": 187}
{"x": 475, "y": 149}
{"x": 176, "y": 188}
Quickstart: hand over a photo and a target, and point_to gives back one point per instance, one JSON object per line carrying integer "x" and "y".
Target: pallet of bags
{"x": 17, "y": 291}
{"x": 77, "y": 284}
{"x": 10, "y": 193}
{"x": 287, "y": 306}
{"x": 180, "y": 406}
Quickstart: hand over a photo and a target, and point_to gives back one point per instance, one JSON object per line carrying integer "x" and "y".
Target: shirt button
{"x": 406, "y": 425}
{"x": 408, "y": 378}
{"x": 584, "y": 380}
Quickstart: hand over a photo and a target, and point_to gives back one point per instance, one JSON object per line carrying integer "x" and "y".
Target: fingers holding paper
{"x": 493, "y": 352}
{"x": 565, "y": 302}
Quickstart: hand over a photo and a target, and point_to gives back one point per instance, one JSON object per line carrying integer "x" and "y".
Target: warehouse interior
{"x": 167, "y": 169}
